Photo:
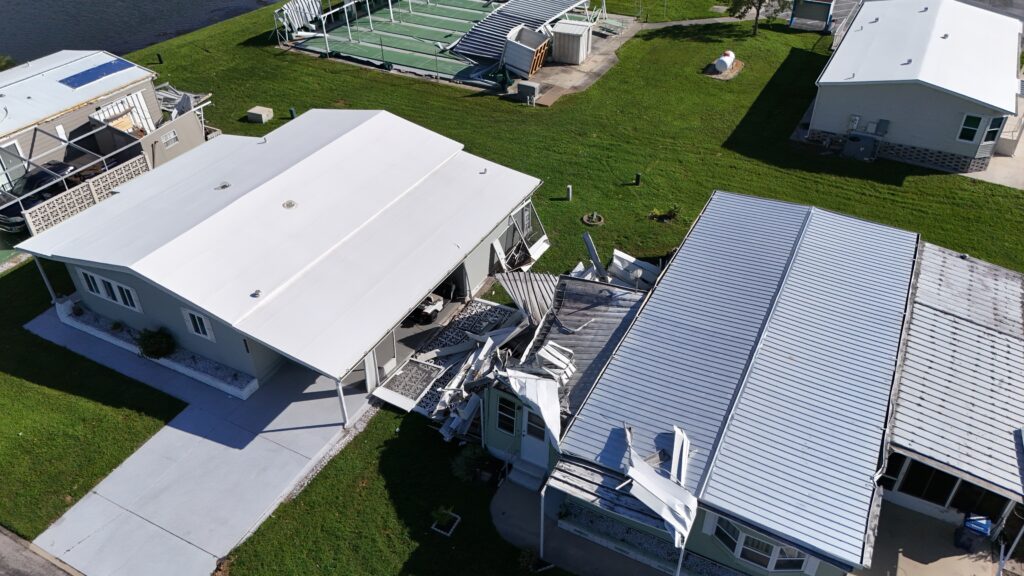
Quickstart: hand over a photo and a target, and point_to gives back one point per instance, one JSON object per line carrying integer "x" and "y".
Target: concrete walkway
{"x": 205, "y": 481}
{"x": 16, "y": 559}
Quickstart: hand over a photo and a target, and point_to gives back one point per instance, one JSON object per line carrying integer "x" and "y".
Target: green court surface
{"x": 447, "y": 37}
{"x": 375, "y": 52}
{"x": 375, "y": 40}
{"x": 444, "y": 11}
{"x": 468, "y": 4}
{"x": 431, "y": 21}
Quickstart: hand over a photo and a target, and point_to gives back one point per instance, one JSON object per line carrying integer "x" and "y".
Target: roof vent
{"x": 907, "y": 63}
{"x": 964, "y": 256}
{"x": 223, "y": 186}
{"x": 944, "y": 36}
{"x": 923, "y": 10}
{"x": 289, "y": 204}
{"x": 255, "y": 293}
{"x": 874, "y": 21}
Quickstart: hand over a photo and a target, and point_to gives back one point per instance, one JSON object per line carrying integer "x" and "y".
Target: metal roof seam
{"x": 715, "y": 448}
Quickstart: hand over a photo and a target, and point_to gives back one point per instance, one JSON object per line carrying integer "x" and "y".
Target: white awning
{"x": 540, "y": 395}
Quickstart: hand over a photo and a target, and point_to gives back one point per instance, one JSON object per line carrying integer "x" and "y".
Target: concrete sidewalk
{"x": 205, "y": 481}
{"x": 16, "y": 559}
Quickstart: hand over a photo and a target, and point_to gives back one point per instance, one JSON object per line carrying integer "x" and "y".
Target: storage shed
{"x": 571, "y": 42}
{"x": 525, "y": 50}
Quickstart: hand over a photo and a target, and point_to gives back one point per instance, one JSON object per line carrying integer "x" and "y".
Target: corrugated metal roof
{"x": 799, "y": 453}
{"x": 487, "y": 38}
{"x": 533, "y": 292}
{"x": 588, "y": 318}
{"x": 798, "y": 440}
{"x": 683, "y": 357}
{"x": 961, "y": 393}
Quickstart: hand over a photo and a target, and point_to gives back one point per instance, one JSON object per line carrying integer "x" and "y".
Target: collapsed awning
{"x": 675, "y": 504}
{"x": 540, "y": 394}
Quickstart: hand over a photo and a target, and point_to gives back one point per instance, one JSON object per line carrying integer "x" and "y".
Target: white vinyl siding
{"x": 198, "y": 324}
{"x": 109, "y": 290}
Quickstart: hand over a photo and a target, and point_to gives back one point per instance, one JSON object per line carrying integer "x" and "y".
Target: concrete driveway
{"x": 205, "y": 481}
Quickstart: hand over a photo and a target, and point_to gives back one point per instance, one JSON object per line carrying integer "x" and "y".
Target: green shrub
{"x": 468, "y": 461}
{"x": 156, "y": 343}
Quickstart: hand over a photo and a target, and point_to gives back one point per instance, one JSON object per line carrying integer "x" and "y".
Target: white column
{"x": 390, "y": 11}
{"x": 679, "y": 565}
{"x": 370, "y": 369}
{"x": 540, "y": 552}
{"x": 341, "y": 398}
{"x": 46, "y": 280}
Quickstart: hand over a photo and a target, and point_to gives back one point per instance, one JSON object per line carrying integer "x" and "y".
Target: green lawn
{"x": 370, "y": 510}
{"x": 65, "y": 422}
{"x": 664, "y": 10}
{"x": 653, "y": 113}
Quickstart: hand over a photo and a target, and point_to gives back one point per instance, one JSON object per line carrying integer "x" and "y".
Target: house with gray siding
{"x": 88, "y": 110}
{"x": 806, "y": 377}
{"x": 935, "y": 84}
{"x": 311, "y": 245}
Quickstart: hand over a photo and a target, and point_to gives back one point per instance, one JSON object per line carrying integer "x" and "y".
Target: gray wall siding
{"x": 160, "y": 309}
{"x": 918, "y": 115}
{"x": 190, "y": 134}
{"x": 480, "y": 262}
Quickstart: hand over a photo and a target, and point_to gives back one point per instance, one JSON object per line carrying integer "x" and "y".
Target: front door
{"x": 534, "y": 444}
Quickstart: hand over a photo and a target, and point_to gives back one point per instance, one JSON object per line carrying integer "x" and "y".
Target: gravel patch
{"x": 228, "y": 376}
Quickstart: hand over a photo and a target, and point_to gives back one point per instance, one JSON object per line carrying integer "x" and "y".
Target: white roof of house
{"x": 382, "y": 211}
{"x": 949, "y": 45}
{"x": 33, "y": 92}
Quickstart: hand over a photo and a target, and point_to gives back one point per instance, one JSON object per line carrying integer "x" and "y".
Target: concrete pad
{"x": 296, "y": 408}
{"x": 129, "y": 545}
{"x": 205, "y": 481}
{"x": 217, "y": 494}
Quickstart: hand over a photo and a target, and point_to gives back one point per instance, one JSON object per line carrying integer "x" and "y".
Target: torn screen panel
{"x": 406, "y": 386}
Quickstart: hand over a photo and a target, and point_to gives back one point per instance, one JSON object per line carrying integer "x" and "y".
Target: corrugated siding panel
{"x": 961, "y": 394}
{"x": 800, "y": 451}
{"x": 683, "y": 358}
{"x": 487, "y": 38}
{"x": 533, "y": 292}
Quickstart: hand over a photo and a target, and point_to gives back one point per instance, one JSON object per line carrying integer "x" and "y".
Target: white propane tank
{"x": 724, "y": 62}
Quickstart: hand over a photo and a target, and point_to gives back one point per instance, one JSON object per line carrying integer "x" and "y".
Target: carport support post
{"x": 679, "y": 565}
{"x": 390, "y": 11}
{"x": 540, "y": 552}
{"x": 341, "y": 398}
{"x": 46, "y": 280}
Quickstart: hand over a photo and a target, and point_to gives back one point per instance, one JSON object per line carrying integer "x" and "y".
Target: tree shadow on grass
{"x": 416, "y": 465}
{"x": 708, "y": 33}
{"x": 28, "y": 357}
{"x": 764, "y": 131}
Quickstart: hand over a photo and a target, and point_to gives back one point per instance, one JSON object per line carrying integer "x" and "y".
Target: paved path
{"x": 202, "y": 483}
{"x": 17, "y": 560}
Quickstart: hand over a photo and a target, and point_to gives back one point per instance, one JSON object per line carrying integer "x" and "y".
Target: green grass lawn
{"x": 652, "y": 113}
{"x": 65, "y": 422}
{"x": 664, "y": 10}
{"x": 370, "y": 510}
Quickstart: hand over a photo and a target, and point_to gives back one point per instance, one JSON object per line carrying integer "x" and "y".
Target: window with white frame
{"x": 169, "y": 139}
{"x": 969, "y": 128}
{"x": 758, "y": 550}
{"x": 506, "y": 415}
{"x": 994, "y": 126}
{"x": 109, "y": 290}
{"x": 198, "y": 324}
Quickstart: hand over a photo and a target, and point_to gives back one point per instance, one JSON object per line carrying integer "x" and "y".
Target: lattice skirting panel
{"x": 80, "y": 198}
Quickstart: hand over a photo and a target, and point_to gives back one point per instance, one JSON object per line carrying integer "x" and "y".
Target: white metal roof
{"x": 954, "y": 47}
{"x": 961, "y": 393}
{"x": 32, "y": 92}
{"x": 381, "y": 211}
{"x": 771, "y": 339}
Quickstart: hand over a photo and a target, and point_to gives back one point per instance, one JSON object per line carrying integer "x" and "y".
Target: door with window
{"x": 533, "y": 445}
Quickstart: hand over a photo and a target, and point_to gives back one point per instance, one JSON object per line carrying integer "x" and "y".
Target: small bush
{"x": 156, "y": 343}
{"x": 666, "y": 216}
{"x": 117, "y": 327}
{"x": 77, "y": 310}
{"x": 442, "y": 514}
